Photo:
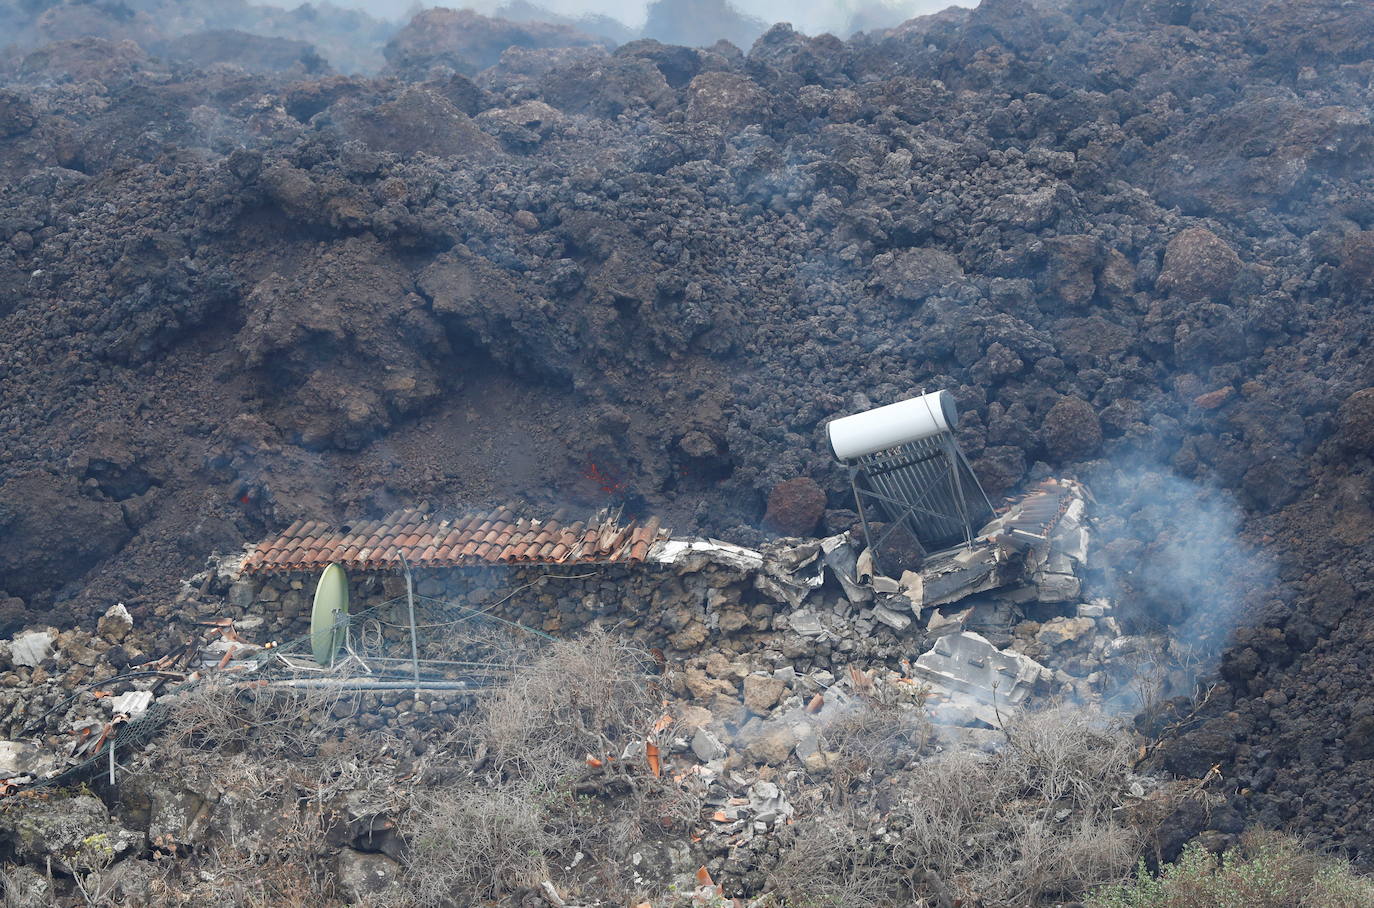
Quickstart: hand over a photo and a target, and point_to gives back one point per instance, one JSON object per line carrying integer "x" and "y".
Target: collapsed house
{"x": 992, "y": 619}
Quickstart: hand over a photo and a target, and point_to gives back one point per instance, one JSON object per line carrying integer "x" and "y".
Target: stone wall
{"x": 672, "y": 607}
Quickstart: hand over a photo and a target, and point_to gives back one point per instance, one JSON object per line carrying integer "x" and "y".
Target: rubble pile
{"x": 242, "y": 284}
{"x": 774, "y": 664}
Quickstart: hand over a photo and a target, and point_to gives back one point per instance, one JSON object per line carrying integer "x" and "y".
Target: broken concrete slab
{"x": 806, "y": 623}
{"x": 941, "y": 623}
{"x": 895, "y": 620}
{"x": 767, "y": 803}
{"x": 29, "y": 649}
{"x": 707, "y": 746}
{"x": 972, "y": 679}
{"x": 695, "y": 554}
{"x": 1051, "y": 587}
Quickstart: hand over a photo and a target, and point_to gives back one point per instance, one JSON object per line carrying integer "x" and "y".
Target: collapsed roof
{"x": 475, "y": 539}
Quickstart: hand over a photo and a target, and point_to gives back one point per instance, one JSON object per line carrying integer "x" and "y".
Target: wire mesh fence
{"x": 406, "y": 642}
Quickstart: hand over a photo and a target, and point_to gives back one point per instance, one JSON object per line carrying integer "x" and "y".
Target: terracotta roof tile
{"x": 471, "y": 539}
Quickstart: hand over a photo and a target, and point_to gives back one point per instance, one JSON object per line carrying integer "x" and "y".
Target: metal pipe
{"x": 959, "y": 491}
{"x": 359, "y": 684}
{"x": 863, "y": 520}
{"x": 410, "y": 605}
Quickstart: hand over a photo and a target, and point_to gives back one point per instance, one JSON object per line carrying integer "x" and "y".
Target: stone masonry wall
{"x": 669, "y": 607}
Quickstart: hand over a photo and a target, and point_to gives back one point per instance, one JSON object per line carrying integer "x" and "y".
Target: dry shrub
{"x": 832, "y": 861}
{"x": 1032, "y": 822}
{"x": 472, "y": 844}
{"x": 585, "y": 697}
{"x": 286, "y": 869}
{"x": 277, "y": 758}
{"x": 532, "y": 794}
{"x": 873, "y": 740}
{"x": 223, "y": 716}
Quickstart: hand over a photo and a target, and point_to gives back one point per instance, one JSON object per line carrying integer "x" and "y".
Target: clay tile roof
{"x": 474, "y": 539}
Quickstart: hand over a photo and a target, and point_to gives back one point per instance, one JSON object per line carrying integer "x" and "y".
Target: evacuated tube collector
{"x": 886, "y": 427}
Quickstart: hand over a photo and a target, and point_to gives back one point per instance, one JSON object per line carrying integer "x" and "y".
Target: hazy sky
{"x": 810, "y": 17}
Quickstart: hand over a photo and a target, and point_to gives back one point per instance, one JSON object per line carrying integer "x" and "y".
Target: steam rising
{"x": 841, "y": 17}
{"x": 1172, "y": 556}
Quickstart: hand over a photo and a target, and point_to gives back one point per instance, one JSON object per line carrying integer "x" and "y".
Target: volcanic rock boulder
{"x": 419, "y": 120}
{"x": 85, "y": 59}
{"x": 1356, "y": 271}
{"x": 75, "y": 833}
{"x": 16, "y": 114}
{"x": 1071, "y": 430}
{"x": 1000, "y": 468}
{"x": 469, "y": 42}
{"x": 1072, "y": 268}
{"x": 341, "y": 346}
{"x": 911, "y": 275}
{"x": 50, "y": 534}
{"x": 679, "y": 65}
{"x": 605, "y": 86}
{"x": 728, "y": 100}
{"x": 1199, "y": 265}
{"x": 1359, "y": 737}
{"x": 483, "y": 304}
{"x": 795, "y": 507}
{"x": 1355, "y": 423}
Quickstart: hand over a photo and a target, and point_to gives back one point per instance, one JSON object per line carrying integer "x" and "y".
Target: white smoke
{"x": 813, "y": 18}
{"x": 1173, "y": 554}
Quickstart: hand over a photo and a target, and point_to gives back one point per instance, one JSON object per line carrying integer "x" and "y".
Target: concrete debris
{"x": 1037, "y": 549}
{"x": 116, "y": 623}
{"x": 941, "y": 623}
{"x": 695, "y": 554}
{"x": 706, "y": 746}
{"x": 32, "y": 648}
{"x": 963, "y": 573}
{"x": 806, "y": 623}
{"x": 767, "y": 803}
{"x": 1098, "y": 608}
{"x": 971, "y": 678}
{"x": 841, "y": 556}
{"x": 895, "y": 620}
{"x": 134, "y": 703}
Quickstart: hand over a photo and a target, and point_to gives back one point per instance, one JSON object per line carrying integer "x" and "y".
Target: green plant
{"x": 93, "y": 857}
{"x": 1267, "y": 870}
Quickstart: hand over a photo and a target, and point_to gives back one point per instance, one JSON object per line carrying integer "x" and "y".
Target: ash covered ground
{"x": 522, "y": 263}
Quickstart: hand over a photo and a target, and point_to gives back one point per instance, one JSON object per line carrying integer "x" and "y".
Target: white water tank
{"x": 886, "y": 427}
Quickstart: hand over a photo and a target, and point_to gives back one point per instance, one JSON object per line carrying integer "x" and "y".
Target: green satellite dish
{"x": 331, "y": 600}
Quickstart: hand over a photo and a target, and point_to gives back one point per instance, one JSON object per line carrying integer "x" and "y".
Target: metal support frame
{"x": 904, "y": 479}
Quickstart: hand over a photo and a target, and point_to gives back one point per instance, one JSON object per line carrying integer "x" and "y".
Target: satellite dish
{"x": 330, "y": 614}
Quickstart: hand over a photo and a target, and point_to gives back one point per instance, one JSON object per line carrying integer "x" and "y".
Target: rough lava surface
{"x": 240, "y": 285}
